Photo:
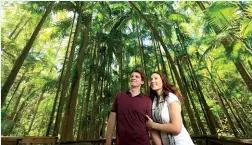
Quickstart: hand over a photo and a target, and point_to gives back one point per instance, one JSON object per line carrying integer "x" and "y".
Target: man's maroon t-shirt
{"x": 130, "y": 118}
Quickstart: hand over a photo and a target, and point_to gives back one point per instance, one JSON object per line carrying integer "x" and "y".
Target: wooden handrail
{"x": 15, "y": 140}
{"x": 227, "y": 139}
{"x": 208, "y": 140}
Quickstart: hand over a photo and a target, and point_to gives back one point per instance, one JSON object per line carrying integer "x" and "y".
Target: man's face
{"x": 136, "y": 80}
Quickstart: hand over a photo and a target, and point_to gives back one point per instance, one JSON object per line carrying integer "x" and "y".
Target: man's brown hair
{"x": 143, "y": 76}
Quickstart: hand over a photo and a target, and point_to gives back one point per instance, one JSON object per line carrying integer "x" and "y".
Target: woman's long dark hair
{"x": 167, "y": 87}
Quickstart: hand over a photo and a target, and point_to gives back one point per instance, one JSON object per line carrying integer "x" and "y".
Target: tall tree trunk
{"x": 243, "y": 120}
{"x": 65, "y": 82}
{"x": 250, "y": 64}
{"x": 139, "y": 43}
{"x": 43, "y": 123}
{"x": 174, "y": 82}
{"x": 236, "y": 116}
{"x": 195, "y": 87}
{"x": 233, "y": 128}
{"x": 144, "y": 61}
{"x": 94, "y": 99}
{"x": 36, "y": 111}
{"x": 90, "y": 78}
{"x": 163, "y": 64}
{"x": 242, "y": 111}
{"x": 19, "y": 82}
{"x": 103, "y": 99}
{"x": 141, "y": 50}
{"x": 121, "y": 61}
{"x": 93, "y": 111}
{"x": 208, "y": 113}
{"x": 183, "y": 118}
{"x": 18, "y": 112}
{"x": 16, "y": 27}
{"x": 201, "y": 126}
{"x": 220, "y": 95}
{"x": 67, "y": 134}
{"x": 20, "y": 60}
{"x": 20, "y": 30}
{"x": 98, "y": 110}
{"x": 50, "y": 123}
{"x": 107, "y": 95}
{"x": 15, "y": 119}
{"x": 221, "y": 102}
{"x": 169, "y": 63}
{"x": 187, "y": 104}
{"x": 155, "y": 52}
{"x": 81, "y": 118}
{"x": 17, "y": 102}
{"x": 104, "y": 126}
{"x": 244, "y": 74}
{"x": 60, "y": 82}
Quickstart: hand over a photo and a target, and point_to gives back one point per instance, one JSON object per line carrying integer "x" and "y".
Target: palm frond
{"x": 105, "y": 4}
{"x": 64, "y": 5}
{"x": 248, "y": 9}
{"x": 167, "y": 27}
{"x": 216, "y": 42}
{"x": 223, "y": 15}
{"x": 119, "y": 22}
{"x": 246, "y": 28}
{"x": 180, "y": 18}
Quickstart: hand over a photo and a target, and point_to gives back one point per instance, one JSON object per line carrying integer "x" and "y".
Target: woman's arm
{"x": 175, "y": 126}
{"x": 155, "y": 135}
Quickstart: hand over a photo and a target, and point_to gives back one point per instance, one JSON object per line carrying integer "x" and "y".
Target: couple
{"x": 131, "y": 114}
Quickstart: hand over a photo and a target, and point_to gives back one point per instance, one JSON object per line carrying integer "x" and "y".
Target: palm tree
{"x": 221, "y": 25}
{"x": 67, "y": 134}
{"x": 20, "y": 60}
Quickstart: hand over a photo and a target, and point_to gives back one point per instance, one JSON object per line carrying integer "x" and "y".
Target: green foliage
{"x": 188, "y": 32}
{"x": 5, "y": 121}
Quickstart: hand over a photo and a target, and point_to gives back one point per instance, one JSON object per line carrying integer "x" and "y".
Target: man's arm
{"x": 110, "y": 128}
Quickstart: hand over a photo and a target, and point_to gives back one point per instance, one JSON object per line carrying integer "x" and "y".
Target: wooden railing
{"x": 220, "y": 140}
{"x": 198, "y": 140}
{"x": 15, "y": 140}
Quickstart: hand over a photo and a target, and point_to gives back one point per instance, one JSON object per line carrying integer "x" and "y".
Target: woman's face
{"x": 156, "y": 83}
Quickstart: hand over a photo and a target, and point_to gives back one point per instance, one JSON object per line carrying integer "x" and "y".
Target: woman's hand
{"x": 149, "y": 122}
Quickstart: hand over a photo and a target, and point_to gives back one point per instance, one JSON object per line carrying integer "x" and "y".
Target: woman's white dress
{"x": 160, "y": 114}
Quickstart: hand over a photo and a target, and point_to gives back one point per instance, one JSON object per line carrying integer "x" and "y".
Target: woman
{"x": 166, "y": 126}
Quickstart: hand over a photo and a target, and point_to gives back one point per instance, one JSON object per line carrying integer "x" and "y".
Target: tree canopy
{"x": 63, "y": 62}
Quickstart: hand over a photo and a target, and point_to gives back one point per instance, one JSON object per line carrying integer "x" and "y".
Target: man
{"x": 128, "y": 113}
